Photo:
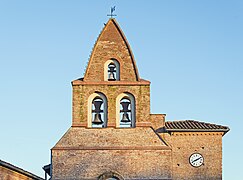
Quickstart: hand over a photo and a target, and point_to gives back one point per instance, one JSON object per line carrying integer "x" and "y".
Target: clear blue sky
{"x": 191, "y": 51}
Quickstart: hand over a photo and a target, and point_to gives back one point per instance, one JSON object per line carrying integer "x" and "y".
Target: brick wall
{"x": 185, "y": 143}
{"x": 130, "y": 164}
{"x": 111, "y": 44}
{"x": 134, "y": 153}
{"x": 8, "y": 174}
{"x": 82, "y": 92}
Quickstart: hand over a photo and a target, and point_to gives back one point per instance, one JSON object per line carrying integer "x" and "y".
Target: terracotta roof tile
{"x": 192, "y": 125}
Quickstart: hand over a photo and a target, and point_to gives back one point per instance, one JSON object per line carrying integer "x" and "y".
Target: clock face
{"x": 196, "y": 160}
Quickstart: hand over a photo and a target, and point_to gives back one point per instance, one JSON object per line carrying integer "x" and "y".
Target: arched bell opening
{"x": 110, "y": 176}
{"x": 112, "y": 70}
{"x": 112, "y": 76}
{"x": 125, "y": 113}
{"x": 125, "y": 110}
{"x": 97, "y": 110}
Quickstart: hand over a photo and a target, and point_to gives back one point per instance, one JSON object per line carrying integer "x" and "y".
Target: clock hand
{"x": 196, "y": 159}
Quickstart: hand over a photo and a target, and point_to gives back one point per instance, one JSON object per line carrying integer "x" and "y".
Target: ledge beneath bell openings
{"x": 126, "y": 83}
{"x": 138, "y": 124}
{"x": 115, "y": 148}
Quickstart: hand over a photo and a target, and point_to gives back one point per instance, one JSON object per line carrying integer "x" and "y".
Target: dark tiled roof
{"x": 19, "y": 170}
{"x": 191, "y": 125}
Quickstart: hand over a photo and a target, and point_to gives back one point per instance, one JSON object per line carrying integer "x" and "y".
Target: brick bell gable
{"x": 150, "y": 148}
{"x": 133, "y": 152}
{"x": 111, "y": 44}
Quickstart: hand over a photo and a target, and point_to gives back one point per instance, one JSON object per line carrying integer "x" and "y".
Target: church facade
{"x": 114, "y": 135}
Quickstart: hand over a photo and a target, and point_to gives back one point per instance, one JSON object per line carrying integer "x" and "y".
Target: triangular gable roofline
{"x": 19, "y": 170}
{"x": 112, "y": 20}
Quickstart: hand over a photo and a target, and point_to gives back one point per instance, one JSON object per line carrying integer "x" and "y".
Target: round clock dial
{"x": 196, "y": 160}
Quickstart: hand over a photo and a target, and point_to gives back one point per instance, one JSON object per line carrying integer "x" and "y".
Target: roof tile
{"x": 192, "y": 125}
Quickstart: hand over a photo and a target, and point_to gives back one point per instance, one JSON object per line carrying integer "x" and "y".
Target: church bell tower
{"x": 113, "y": 133}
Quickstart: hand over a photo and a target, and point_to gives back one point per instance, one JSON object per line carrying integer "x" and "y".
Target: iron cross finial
{"x": 112, "y": 10}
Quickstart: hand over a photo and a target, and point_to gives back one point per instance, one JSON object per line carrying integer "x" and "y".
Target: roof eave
{"x": 199, "y": 130}
{"x": 19, "y": 170}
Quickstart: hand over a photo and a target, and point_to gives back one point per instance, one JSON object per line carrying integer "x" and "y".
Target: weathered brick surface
{"x": 79, "y": 137}
{"x": 131, "y": 164}
{"x": 82, "y": 92}
{"x": 185, "y": 143}
{"x": 157, "y": 120}
{"x": 111, "y": 44}
{"x": 8, "y": 174}
{"x": 84, "y": 153}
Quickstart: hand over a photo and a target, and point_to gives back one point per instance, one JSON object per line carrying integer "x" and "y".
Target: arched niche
{"x": 97, "y": 108}
{"x": 125, "y": 110}
{"x": 112, "y": 70}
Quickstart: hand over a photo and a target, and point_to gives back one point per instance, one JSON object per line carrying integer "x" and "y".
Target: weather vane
{"x": 112, "y": 10}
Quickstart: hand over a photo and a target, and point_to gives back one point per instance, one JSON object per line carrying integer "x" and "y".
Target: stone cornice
{"x": 116, "y": 83}
{"x": 114, "y": 148}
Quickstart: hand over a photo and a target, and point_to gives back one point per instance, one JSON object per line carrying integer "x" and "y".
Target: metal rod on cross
{"x": 112, "y": 10}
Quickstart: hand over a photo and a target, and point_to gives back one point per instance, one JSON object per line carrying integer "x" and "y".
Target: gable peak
{"x": 111, "y": 44}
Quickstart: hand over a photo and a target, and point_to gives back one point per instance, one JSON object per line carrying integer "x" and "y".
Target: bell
{"x": 125, "y": 106}
{"x": 111, "y": 72}
{"x": 112, "y": 76}
{"x": 97, "y": 119}
{"x": 125, "y": 118}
